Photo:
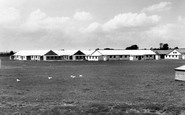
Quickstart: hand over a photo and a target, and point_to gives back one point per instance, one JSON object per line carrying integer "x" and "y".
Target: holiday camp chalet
{"x": 97, "y": 55}
{"x": 105, "y": 55}
{"x": 51, "y": 55}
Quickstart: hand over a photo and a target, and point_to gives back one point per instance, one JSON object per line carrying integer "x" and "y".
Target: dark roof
{"x": 181, "y": 50}
{"x": 51, "y": 53}
{"x": 162, "y": 52}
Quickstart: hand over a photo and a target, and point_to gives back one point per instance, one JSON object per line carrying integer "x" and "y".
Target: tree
{"x": 133, "y": 47}
{"x": 108, "y": 49}
{"x": 12, "y": 53}
{"x": 165, "y": 47}
{"x": 97, "y": 49}
{"x": 176, "y": 48}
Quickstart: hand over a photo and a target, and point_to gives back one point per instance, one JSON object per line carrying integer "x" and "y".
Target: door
{"x": 139, "y": 57}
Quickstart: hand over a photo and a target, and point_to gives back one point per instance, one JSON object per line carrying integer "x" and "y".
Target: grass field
{"x": 113, "y": 87}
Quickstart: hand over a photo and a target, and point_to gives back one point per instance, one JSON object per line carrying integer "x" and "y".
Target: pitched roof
{"x": 31, "y": 52}
{"x": 181, "y": 50}
{"x": 162, "y": 52}
{"x": 125, "y": 52}
{"x": 87, "y": 52}
{"x": 65, "y": 52}
{"x": 51, "y": 53}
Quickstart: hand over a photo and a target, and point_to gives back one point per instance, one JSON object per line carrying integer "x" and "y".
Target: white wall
{"x": 35, "y": 57}
{"x": 94, "y": 58}
{"x": 173, "y": 55}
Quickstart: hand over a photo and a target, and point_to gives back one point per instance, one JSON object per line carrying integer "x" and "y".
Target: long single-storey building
{"x": 52, "y": 55}
{"x": 105, "y": 55}
{"x": 29, "y": 55}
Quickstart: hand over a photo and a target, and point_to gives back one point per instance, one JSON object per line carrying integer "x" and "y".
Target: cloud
{"x": 4, "y": 4}
{"x": 181, "y": 19}
{"x": 162, "y": 6}
{"x": 83, "y": 16}
{"x": 128, "y": 20}
{"x": 93, "y": 27}
{"x": 39, "y": 20}
{"x": 161, "y": 31}
{"x": 172, "y": 33}
{"x": 10, "y": 16}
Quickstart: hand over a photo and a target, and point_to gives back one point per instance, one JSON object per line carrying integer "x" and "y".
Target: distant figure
{"x": 72, "y": 76}
{"x": 18, "y": 80}
{"x": 80, "y": 75}
{"x": 49, "y": 77}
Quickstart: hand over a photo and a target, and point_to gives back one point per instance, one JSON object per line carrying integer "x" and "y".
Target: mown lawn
{"x": 113, "y": 87}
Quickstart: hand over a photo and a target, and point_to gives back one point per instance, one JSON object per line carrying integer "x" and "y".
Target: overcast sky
{"x": 88, "y": 24}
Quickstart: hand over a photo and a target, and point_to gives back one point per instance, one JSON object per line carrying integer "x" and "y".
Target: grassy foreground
{"x": 112, "y": 88}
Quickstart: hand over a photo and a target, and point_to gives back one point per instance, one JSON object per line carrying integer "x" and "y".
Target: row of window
{"x": 53, "y": 57}
{"x": 172, "y": 56}
{"x": 93, "y": 57}
{"x": 174, "y": 52}
{"x": 119, "y": 56}
{"x": 126, "y": 56}
{"x": 34, "y": 56}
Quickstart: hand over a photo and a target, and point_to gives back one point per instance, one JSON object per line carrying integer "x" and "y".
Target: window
{"x": 114, "y": 56}
{"x": 110, "y": 56}
{"x": 121, "y": 56}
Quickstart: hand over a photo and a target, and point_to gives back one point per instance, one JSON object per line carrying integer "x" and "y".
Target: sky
{"x": 90, "y": 24}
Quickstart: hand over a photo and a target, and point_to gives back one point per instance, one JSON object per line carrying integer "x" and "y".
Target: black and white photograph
{"x": 92, "y": 57}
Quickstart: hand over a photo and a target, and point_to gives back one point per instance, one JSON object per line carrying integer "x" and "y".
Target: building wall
{"x": 118, "y": 57}
{"x": 173, "y": 55}
{"x": 180, "y": 75}
{"x": 142, "y": 57}
{"x": 150, "y": 57}
{"x": 183, "y": 56}
{"x": 53, "y": 58}
{"x": 17, "y": 57}
{"x": 157, "y": 57}
{"x": 94, "y": 58}
{"x": 35, "y": 57}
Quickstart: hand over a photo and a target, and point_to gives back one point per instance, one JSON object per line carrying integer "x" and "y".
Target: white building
{"x": 180, "y": 73}
{"x": 105, "y": 55}
{"x": 176, "y": 54}
{"x": 161, "y": 54}
{"x": 30, "y": 55}
{"x": 72, "y": 55}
